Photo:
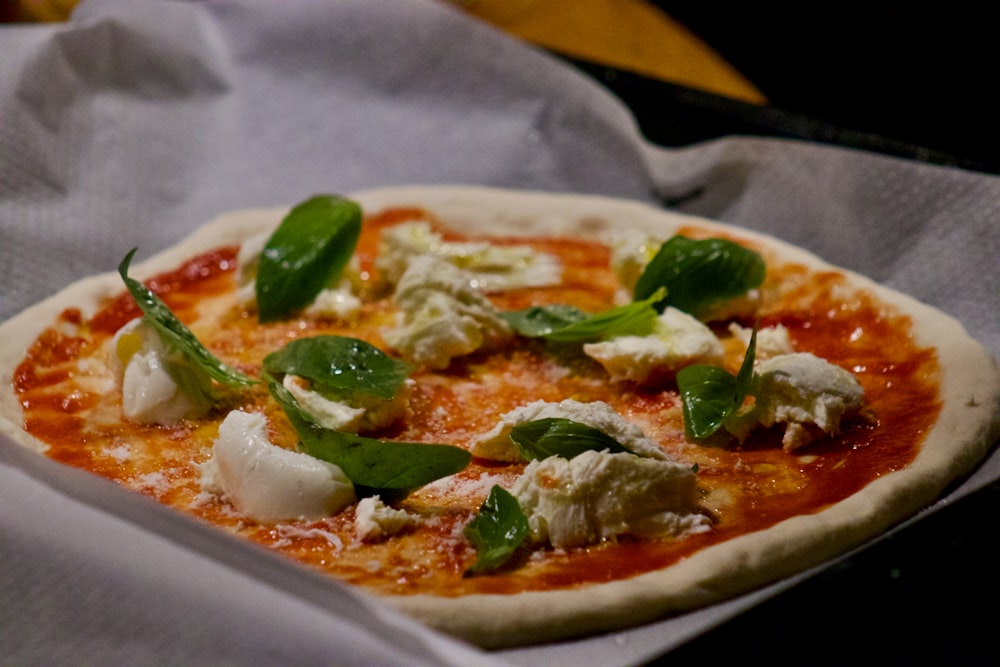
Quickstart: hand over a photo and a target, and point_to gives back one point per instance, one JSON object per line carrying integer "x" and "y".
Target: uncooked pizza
{"x": 516, "y": 416}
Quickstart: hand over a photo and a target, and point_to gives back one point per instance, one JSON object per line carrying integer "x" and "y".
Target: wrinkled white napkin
{"x": 141, "y": 119}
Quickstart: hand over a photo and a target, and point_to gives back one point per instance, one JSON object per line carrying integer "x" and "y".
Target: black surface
{"x": 673, "y": 115}
{"x": 924, "y": 595}
{"x": 922, "y": 74}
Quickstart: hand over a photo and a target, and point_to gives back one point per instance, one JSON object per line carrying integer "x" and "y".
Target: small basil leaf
{"x": 555, "y": 436}
{"x": 567, "y": 324}
{"x": 711, "y": 394}
{"x": 367, "y": 462}
{"x": 339, "y": 363}
{"x": 306, "y": 253}
{"x": 698, "y": 273}
{"x": 539, "y": 321}
{"x": 177, "y": 336}
{"x": 497, "y": 531}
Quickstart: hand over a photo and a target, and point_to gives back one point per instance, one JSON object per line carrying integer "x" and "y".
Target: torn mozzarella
{"x": 677, "y": 340}
{"x": 151, "y": 393}
{"x": 771, "y": 341}
{"x": 798, "y": 389}
{"x": 490, "y": 267}
{"x": 357, "y": 412}
{"x": 441, "y": 316}
{"x": 599, "y": 495}
{"x": 375, "y": 520}
{"x": 269, "y": 483}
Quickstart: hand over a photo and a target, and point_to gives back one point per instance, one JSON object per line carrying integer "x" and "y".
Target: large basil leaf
{"x": 367, "y": 462}
{"x": 497, "y": 531}
{"x": 175, "y": 334}
{"x": 698, "y": 273}
{"x": 340, "y": 363}
{"x": 307, "y": 252}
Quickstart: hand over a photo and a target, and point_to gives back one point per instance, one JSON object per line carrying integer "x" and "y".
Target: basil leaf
{"x": 335, "y": 363}
{"x": 710, "y": 394}
{"x": 698, "y": 273}
{"x": 497, "y": 531}
{"x": 556, "y": 436}
{"x": 177, "y": 336}
{"x": 371, "y": 463}
{"x": 380, "y": 464}
{"x": 306, "y": 253}
{"x": 567, "y": 324}
{"x": 539, "y": 321}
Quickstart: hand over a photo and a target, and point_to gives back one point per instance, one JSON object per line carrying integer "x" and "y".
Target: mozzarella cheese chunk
{"x": 151, "y": 393}
{"x": 441, "y": 315}
{"x": 677, "y": 340}
{"x": 496, "y": 445}
{"x": 269, "y": 483}
{"x": 490, "y": 267}
{"x": 338, "y": 301}
{"x": 375, "y": 520}
{"x": 599, "y": 495}
{"x": 631, "y": 251}
{"x": 798, "y": 389}
{"x": 358, "y": 412}
{"x": 771, "y": 341}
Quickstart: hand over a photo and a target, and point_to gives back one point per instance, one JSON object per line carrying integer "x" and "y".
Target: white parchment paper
{"x": 141, "y": 119}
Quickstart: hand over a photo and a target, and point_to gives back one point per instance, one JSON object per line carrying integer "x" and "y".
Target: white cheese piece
{"x": 490, "y": 267}
{"x": 375, "y": 520}
{"x": 357, "y": 412}
{"x": 798, "y": 389}
{"x": 338, "y": 302}
{"x": 771, "y": 341}
{"x": 269, "y": 483}
{"x": 599, "y": 495}
{"x": 441, "y": 316}
{"x": 677, "y": 340}
{"x": 742, "y": 307}
{"x": 496, "y": 445}
{"x": 151, "y": 393}
{"x": 631, "y": 251}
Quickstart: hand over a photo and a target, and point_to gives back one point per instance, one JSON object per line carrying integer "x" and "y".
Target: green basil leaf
{"x": 339, "y": 363}
{"x": 307, "y": 252}
{"x": 175, "y": 334}
{"x": 567, "y": 324}
{"x": 539, "y": 321}
{"x": 698, "y": 273}
{"x": 710, "y": 394}
{"x": 497, "y": 531}
{"x": 556, "y": 436}
{"x": 375, "y": 464}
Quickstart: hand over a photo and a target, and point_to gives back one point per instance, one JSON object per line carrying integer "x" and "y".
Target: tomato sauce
{"x": 70, "y": 402}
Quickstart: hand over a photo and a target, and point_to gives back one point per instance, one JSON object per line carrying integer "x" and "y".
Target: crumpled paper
{"x": 139, "y": 120}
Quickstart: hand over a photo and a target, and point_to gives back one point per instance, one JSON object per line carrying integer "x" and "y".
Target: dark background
{"x": 918, "y": 77}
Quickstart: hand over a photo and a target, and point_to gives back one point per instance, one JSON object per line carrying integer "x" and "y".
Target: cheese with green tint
{"x": 143, "y": 369}
{"x": 677, "y": 340}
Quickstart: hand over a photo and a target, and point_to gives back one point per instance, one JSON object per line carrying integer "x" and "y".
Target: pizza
{"x": 519, "y": 417}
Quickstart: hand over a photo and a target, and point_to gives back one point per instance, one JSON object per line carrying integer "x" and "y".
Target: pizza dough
{"x": 967, "y": 425}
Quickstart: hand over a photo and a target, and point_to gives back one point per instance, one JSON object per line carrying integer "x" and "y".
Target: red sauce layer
{"x": 74, "y": 407}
